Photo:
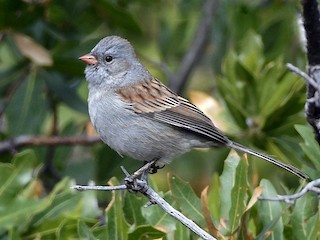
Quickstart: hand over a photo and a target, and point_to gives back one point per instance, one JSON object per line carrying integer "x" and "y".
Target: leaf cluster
{"x": 228, "y": 209}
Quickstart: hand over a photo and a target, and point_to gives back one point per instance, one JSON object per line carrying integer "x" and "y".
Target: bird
{"x": 138, "y": 116}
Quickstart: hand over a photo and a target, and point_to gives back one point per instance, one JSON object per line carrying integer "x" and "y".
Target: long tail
{"x": 287, "y": 167}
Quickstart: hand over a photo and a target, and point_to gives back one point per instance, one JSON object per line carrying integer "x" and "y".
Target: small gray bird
{"x": 137, "y": 115}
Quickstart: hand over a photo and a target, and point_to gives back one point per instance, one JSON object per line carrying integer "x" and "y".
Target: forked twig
{"x": 310, "y": 187}
{"x": 142, "y": 186}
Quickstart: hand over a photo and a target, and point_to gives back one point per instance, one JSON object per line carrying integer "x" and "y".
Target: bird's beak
{"x": 89, "y": 59}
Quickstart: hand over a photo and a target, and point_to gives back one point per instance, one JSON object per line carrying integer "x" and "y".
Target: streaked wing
{"x": 149, "y": 97}
{"x": 154, "y": 100}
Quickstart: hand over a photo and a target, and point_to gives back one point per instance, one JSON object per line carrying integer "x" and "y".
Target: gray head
{"x": 112, "y": 63}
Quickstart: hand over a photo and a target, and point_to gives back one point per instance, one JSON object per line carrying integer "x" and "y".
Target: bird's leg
{"x": 142, "y": 173}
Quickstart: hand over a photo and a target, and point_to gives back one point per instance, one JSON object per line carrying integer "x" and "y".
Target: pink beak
{"x": 89, "y": 59}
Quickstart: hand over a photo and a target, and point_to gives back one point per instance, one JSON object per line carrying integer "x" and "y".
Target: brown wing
{"x": 156, "y": 101}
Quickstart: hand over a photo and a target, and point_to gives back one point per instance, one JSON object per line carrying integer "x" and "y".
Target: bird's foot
{"x": 131, "y": 181}
{"x": 154, "y": 167}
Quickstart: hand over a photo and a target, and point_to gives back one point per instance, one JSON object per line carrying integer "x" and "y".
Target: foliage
{"x": 259, "y": 103}
{"x": 229, "y": 208}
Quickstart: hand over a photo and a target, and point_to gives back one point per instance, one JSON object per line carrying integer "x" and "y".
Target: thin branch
{"x": 133, "y": 184}
{"x": 302, "y": 74}
{"x": 192, "y": 57}
{"x": 13, "y": 144}
{"x": 154, "y": 198}
{"x": 312, "y": 105}
{"x": 99, "y": 188}
{"x": 310, "y": 187}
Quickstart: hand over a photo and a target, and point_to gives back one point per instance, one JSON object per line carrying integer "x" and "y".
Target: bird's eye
{"x": 108, "y": 58}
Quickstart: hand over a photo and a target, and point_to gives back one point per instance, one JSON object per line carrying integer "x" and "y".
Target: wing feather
{"x": 154, "y": 100}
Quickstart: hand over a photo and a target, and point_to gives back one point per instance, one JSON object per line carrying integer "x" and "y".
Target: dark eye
{"x": 108, "y": 58}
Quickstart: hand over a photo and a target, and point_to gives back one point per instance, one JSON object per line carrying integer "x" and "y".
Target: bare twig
{"x": 141, "y": 186}
{"x": 178, "y": 80}
{"x": 17, "y": 142}
{"x": 154, "y": 198}
{"x": 309, "y": 81}
{"x": 302, "y": 74}
{"x": 310, "y": 187}
{"x": 99, "y": 188}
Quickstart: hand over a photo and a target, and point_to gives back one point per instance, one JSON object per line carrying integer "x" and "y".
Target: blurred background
{"x": 236, "y": 75}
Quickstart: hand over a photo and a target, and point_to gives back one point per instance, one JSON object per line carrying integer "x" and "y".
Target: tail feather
{"x": 287, "y": 167}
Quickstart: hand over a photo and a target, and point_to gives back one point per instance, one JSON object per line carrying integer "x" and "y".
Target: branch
{"x": 312, "y": 106}
{"x": 154, "y": 198}
{"x": 178, "y": 80}
{"x": 302, "y": 74}
{"x": 141, "y": 186}
{"x": 310, "y": 187}
{"x": 311, "y": 20}
{"x": 13, "y": 144}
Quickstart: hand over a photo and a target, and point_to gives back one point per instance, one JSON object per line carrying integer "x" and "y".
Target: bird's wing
{"x": 154, "y": 100}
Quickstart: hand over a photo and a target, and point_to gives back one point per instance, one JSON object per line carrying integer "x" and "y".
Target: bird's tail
{"x": 287, "y": 167}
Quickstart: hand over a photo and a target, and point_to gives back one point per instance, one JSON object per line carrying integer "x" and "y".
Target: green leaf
{"x": 16, "y": 187}
{"x": 145, "y": 232}
{"x": 251, "y": 56}
{"x": 227, "y": 182}
{"x": 18, "y": 69}
{"x": 84, "y": 232}
{"x": 116, "y": 223}
{"x": 238, "y": 196}
{"x": 305, "y": 217}
{"x": 186, "y": 199}
{"x": 18, "y": 212}
{"x": 14, "y": 177}
{"x": 181, "y": 232}
{"x": 118, "y": 16}
{"x": 268, "y": 79}
{"x": 310, "y": 146}
{"x": 64, "y": 208}
{"x": 64, "y": 91}
{"x": 13, "y": 64}
{"x": 280, "y": 95}
{"x": 100, "y": 232}
{"x": 58, "y": 204}
{"x": 133, "y": 209}
{"x": 157, "y": 217}
{"x": 270, "y": 214}
{"x": 27, "y": 108}
{"x": 232, "y": 89}
{"x": 214, "y": 197}
{"x": 65, "y": 230}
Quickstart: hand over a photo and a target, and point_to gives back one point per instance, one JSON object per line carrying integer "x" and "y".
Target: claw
{"x": 154, "y": 168}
